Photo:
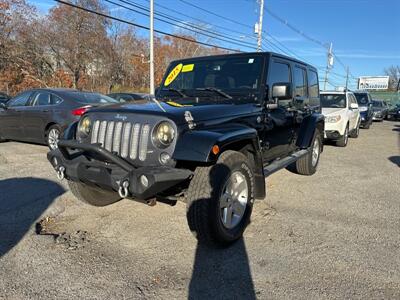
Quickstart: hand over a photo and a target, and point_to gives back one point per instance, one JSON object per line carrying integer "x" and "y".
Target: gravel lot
{"x": 334, "y": 235}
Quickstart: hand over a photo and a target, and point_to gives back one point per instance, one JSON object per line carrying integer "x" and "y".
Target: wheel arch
{"x": 307, "y": 130}
{"x": 196, "y": 147}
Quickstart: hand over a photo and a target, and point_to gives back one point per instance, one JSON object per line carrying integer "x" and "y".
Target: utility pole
{"x": 258, "y": 26}
{"x": 347, "y": 77}
{"x": 329, "y": 65}
{"x": 151, "y": 47}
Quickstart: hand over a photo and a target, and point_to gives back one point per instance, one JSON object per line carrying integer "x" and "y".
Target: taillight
{"x": 81, "y": 110}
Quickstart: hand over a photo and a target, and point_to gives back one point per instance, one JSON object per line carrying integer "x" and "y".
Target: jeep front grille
{"x": 125, "y": 138}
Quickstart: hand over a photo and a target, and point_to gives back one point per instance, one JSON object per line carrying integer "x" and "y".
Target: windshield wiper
{"x": 178, "y": 91}
{"x": 215, "y": 90}
{"x": 153, "y": 98}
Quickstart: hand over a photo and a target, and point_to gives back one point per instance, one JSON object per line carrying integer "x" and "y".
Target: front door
{"x": 278, "y": 134}
{"x": 11, "y": 118}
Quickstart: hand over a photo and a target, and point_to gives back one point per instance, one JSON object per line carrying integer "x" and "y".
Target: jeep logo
{"x": 120, "y": 117}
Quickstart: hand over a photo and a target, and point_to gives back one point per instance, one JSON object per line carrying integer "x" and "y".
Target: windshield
{"x": 217, "y": 79}
{"x": 333, "y": 100}
{"x": 362, "y": 98}
{"x": 91, "y": 98}
{"x": 377, "y": 103}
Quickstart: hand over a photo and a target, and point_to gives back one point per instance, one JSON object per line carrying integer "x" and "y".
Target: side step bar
{"x": 284, "y": 162}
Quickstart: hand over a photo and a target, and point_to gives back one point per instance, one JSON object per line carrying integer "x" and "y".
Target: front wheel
{"x": 91, "y": 195}
{"x": 355, "y": 132}
{"x": 220, "y": 200}
{"x": 342, "y": 142}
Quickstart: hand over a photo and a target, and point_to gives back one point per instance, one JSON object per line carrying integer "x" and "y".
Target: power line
{"x": 227, "y": 39}
{"x": 169, "y": 9}
{"x": 145, "y": 27}
{"x": 306, "y": 36}
{"x": 216, "y": 15}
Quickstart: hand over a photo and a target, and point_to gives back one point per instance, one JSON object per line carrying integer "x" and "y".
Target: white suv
{"x": 342, "y": 116}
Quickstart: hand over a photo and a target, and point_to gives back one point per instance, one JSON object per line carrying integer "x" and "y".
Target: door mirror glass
{"x": 281, "y": 91}
{"x": 353, "y": 105}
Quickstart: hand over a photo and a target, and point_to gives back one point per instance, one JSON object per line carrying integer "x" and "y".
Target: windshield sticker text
{"x": 173, "y": 74}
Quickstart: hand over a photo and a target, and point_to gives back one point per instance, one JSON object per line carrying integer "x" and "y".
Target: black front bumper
{"x": 90, "y": 164}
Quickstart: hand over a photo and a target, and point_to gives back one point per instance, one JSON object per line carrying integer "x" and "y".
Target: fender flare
{"x": 69, "y": 132}
{"x": 196, "y": 146}
{"x": 307, "y": 129}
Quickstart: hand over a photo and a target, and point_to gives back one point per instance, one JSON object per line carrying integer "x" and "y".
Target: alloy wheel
{"x": 233, "y": 200}
{"x": 53, "y": 137}
{"x": 315, "y": 152}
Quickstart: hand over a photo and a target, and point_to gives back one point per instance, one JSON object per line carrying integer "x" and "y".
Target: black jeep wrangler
{"x": 218, "y": 126}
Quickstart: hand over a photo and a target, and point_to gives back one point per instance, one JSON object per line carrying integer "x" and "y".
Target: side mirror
{"x": 3, "y": 106}
{"x": 353, "y": 105}
{"x": 282, "y": 91}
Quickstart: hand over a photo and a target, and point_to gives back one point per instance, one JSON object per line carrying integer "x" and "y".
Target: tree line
{"x": 72, "y": 48}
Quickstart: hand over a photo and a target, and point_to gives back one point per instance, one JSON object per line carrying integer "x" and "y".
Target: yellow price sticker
{"x": 173, "y": 74}
{"x": 187, "y": 68}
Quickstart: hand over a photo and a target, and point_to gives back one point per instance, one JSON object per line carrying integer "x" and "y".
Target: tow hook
{"x": 61, "y": 173}
{"x": 123, "y": 189}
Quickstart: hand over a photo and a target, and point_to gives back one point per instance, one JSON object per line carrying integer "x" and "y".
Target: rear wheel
{"x": 91, "y": 195}
{"x": 220, "y": 200}
{"x": 52, "y": 136}
{"x": 342, "y": 142}
{"x": 307, "y": 165}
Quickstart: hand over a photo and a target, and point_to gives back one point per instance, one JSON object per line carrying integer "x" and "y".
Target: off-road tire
{"x": 91, "y": 195}
{"x": 203, "y": 200}
{"x": 304, "y": 165}
{"x": 52, "y": 127}
{"x": 342, "y": 142}
{"x": 355, "y": 132}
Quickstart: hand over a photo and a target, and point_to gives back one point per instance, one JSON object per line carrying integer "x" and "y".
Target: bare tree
{"x": 394, "y": 77}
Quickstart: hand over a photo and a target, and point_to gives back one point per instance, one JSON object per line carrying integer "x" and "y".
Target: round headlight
{"x": 85, "y": 126}
{"x": 164, "y": 134}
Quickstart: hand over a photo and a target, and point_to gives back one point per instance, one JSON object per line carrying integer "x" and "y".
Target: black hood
{"x": 176, "y": 112}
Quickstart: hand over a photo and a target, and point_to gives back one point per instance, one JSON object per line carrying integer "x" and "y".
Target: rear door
{"x": 38, "y": 114}
{"x": 11, "y": 118}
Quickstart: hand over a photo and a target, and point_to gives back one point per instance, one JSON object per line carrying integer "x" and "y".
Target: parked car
{"x": 40, "y": 115}
{"x": 364, "y": 101}
{"x": 380, "y": 110}
{"x": 209, "y": 141}
{"x": 394, "y": 112}
{"x": 4, "y": 97}
{"x": 129, "y": 97}
{"x": 342, "y": 116}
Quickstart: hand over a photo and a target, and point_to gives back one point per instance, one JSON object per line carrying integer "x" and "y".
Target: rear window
{"x": 90, "y": 98}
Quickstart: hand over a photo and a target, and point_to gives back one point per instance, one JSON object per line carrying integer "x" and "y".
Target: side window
{"x": 55, "y": 100}
{"x": 20, "y": 100}
{"x": 41, "y": 98}
{"x": 279, "y": 73}
{"x": 313, "y": 87}
{"x": 300, "y": 87}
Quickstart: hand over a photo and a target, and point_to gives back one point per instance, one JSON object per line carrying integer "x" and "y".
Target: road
{"x": 334, "y": 235}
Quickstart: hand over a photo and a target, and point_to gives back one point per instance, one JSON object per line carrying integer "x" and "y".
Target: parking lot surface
{"x": 333, "y": 235}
